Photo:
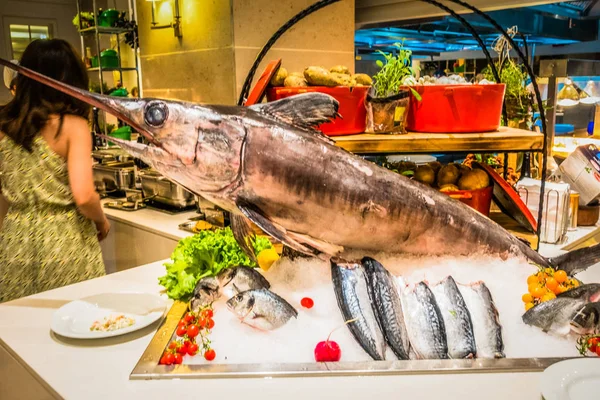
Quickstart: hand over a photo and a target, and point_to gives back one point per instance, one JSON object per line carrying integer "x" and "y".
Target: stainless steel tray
{"x": 148, "y": 367}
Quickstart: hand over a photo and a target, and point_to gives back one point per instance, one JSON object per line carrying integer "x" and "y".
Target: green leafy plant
{"x": 204, "y": 254}
{"x": 390, "y": 77}
{"x": 87, "y": 19}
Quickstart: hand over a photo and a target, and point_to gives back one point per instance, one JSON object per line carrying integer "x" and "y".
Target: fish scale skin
{"x": 354, "y": 304}
{"x": 457, "y": 319}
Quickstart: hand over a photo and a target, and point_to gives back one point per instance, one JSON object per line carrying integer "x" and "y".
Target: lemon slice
{"x": 266, "y": 258}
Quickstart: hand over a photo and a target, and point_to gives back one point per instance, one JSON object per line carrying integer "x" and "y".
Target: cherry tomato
{"x": 163, "y": 360}
{"x": 598, "y": 351}
{"x": 182, "y": 323}
{"x": 201, "y": 322}
{"x": 527, "y": 298}
{"x": 208, "y": 313}
{"x": 192, "y": 331}
{"x": 531, "y": 279}
{"x": 192, "y": 349}
{"x": 528, "y": 306}
{"x": 188, "y": 343}
{"x": 177, "y": 358}
{"x": 181, "y": 331}
{"x": 531, "y": 288}
{"x": 593, "y": 343}
{"x": 307, "y": 302}
{"x": 552, "y": 284}
{"x": 209, "y": 355}
{"x": 538, "y": 292}
{"x": 169, "y": 358}
{"x": 173, "y": 345}
{"x": 182, "y": 349}
{"x": 210, "y": 323}
{"x": 560, "y": 276}
{"x": 189, "y": 317}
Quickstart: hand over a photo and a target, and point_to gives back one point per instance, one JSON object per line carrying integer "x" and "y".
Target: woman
{"x": 50, "y": 235}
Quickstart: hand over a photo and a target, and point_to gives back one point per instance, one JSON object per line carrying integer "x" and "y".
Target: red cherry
{"x": 327, "y": 350}
{"x": 307, "y": 302}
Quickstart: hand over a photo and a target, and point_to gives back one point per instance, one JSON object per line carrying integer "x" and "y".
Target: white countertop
{"x": 100, "y": 369}
{"x": 154, "y": 221}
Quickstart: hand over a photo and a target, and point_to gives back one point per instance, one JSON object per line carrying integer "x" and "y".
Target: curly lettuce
{"x": 204, "y": 254}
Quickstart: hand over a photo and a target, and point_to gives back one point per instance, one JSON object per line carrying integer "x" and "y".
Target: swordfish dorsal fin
{"x": 305, "y": 111}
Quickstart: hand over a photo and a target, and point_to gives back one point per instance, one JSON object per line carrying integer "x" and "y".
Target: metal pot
{"x": 165, "y": 191}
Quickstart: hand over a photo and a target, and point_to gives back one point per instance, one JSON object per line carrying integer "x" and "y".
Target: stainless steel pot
{"x": 114, "y": 176}
{"x": 162, "y": 190}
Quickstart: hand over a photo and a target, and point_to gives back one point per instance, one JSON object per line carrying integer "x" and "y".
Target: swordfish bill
{"x": 268, "y": 164}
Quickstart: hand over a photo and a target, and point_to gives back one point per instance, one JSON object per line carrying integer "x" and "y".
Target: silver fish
{"x": 261, "y": 309}
{"x": 457, "y": 319}
{"x": 386, "y": 303}
{"x": 228, "y": 282}
{"x": 486, "y": 324}
{"x": 267, "y": 164}
{"x": 556, "y": 315}
{"x": 351, "y": 291}
{"x": 586, "y": 321}
{"x": 424, "y": 323}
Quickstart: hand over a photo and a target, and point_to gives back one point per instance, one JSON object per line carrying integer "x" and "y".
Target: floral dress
{"x": 45, "y": 242}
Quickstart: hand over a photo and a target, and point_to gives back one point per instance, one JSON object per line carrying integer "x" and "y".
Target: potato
{"x": 279, "y": 78}
{"x": 340, "y": 69}
{"x": 319, "y": 76}
{"x": 295, "y": 81}
{"x": 425, "y": 174}
{"x": 448, "y": 174}
{"x": 473, "y": 180}
{"x": 342, "y": 79}
{"x": 449, "y": 188}
{"x": 298, "y": 74}
{"x": 363, "y": 79}
{"x": 436, "y": 165}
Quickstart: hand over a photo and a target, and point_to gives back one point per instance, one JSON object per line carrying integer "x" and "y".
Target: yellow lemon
{"x": 266, "y": 258}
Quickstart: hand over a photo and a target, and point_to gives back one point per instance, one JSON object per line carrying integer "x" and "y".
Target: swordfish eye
{"x": 156, "y": 113}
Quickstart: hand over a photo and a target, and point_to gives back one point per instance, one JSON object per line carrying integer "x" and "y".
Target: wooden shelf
{"x": 505, "y": 139}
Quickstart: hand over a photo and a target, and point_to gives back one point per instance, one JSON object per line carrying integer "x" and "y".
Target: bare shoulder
{"x": 74, "y": 123}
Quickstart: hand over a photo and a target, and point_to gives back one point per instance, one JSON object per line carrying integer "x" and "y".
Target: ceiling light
{"x": 567, "y": 96}
{"x": 592, "y": 94}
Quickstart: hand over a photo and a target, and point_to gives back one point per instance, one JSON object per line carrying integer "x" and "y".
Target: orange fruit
{"x": 552, "y": 284}
{"x": 560, "y": 276}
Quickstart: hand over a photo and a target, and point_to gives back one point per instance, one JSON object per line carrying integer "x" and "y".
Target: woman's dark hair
{"x": 28, "y": 112}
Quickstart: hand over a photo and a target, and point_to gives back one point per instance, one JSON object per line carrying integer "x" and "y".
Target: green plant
{"x": 87, "y": 19}
{"x": 389, "y": 78}
{"x": 518, "y": 98}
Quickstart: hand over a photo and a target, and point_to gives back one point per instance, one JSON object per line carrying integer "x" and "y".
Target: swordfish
{"x": 268, "y": 164}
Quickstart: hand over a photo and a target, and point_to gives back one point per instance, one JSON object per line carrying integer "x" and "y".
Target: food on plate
{"x": 279, "y": 77}
{"x": 457, "y": 319}
{"x": 262, "y": 309}
{"x": 473, "y": 179}
{"x": 486, "y": 322}
{"x": 267, "y": 258}
{"x": 112, "y": 323}
{"x": 295, "y": 81}
{"x": 448, "y": 175}
{"x": 352, "y": 294}
{"x": 424, "y": 322}
{"x": 363, "y": 79}
{"x": 385, "y": 301}
{"x": 425, "y": 174}
{"x": 205, "y": 255}
{"x": 340, "y": 69}
{"x": 228, "y": 282}
{"x": 319, "y": 76}
{"x": 449, "y": 188}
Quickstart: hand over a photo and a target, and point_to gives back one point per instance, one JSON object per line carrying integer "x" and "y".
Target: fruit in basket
{"x": 319, "y": 76}
{"x": 340, "y": 69}
{"x": 342, "y": 79}
{"x": 449, "y": 188}
{"x": 425, "y": 174}
{"x": 473, "y": 180}
{"x": 295, "y": 81}
{"x": 448, "y": 174}
{"x": 279, "y": 78}
{"x": 363, "y": 79}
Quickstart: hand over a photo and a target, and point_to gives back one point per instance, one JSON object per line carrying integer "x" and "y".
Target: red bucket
{"x": 480, "y": 199}
{"x": 456, "y": 108}
{"x": 352, "y": 106}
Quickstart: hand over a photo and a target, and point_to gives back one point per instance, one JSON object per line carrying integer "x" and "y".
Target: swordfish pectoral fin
{"x": 324, "y": 247}
{"x": 255, "y": 215}
{"x": 242, "y": 232}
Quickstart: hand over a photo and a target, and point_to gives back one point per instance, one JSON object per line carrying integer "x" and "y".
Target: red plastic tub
{"x": 352, "y": 106}
{"x": 480, "y": 199}
{"x": 456, "y": 108}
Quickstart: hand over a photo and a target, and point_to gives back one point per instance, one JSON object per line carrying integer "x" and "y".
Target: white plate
{"x": 73, "y": 320}
{"x": 416, "y": 158}
{"x": 577, "y": 379}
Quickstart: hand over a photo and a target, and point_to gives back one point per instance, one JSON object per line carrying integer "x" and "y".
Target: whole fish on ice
{"x": 261, "y": 309}
{"x": 267, "y": 164}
